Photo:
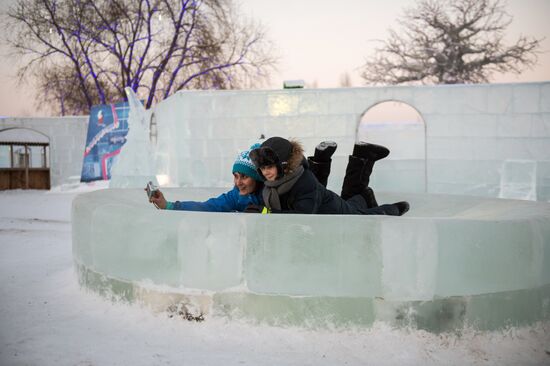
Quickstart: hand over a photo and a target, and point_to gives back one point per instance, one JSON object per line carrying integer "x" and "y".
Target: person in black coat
{"x": 291, "y": 186}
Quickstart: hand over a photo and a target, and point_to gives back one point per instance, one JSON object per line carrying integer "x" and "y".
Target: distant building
{"x": 39, "y": 153}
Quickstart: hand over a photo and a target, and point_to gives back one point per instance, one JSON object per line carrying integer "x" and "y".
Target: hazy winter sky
{"x": 320, "y": 40}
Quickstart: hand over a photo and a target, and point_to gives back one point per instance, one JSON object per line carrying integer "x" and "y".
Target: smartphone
{"x": 151, "y": 189}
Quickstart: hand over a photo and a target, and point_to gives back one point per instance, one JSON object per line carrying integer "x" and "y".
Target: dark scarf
{"x": 272, "y": 190}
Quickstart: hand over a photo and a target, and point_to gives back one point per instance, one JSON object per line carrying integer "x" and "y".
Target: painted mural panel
{"x": 107, "y": 130}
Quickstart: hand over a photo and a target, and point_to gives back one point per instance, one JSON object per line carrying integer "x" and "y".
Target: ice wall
{"x": 452, "y": 261}
{"x": 456, "y": 252}
{"x": 473, "y": 132}
{"x": 136, "y": 165}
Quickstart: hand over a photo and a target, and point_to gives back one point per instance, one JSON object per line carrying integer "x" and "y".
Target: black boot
{"x": 393, "y": 209}
{"x": 360, "y": 166}
{"x": 402, "y": 206}
{"x": 357, "y": 176}
{"x": 320, "y": 162}
{"x": 321, "y": 170}
{"x": 370, "y": 152}
{"x": 324, "y": 151}
{"x": 368, "y": 195}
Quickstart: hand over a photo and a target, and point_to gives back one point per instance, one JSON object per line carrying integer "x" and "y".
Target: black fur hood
{"x": 287, "y": 155}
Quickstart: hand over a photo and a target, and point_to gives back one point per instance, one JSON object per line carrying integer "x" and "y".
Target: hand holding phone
{"x": 151, "y": 190}
{"x": 155, "y": 196}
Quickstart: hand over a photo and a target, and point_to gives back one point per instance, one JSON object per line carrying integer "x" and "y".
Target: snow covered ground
{"x": 46, "y": 319}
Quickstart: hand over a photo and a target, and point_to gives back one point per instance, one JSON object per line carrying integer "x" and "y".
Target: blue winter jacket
{"x": 228, "y": 202}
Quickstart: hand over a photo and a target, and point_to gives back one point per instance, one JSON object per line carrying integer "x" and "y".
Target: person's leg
{"x": 356, "y": 169}
{"x": 357, "y": 205}
{"x": 360, "y": 166}
{"x": 321, "y": 161}
{"x": 393, "y": 209}
{"x": 368, "y": 195}
{"x": 321, "y": 170}
{"x": 324, "y": 151}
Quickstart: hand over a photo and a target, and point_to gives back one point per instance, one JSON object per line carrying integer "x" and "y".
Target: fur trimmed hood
{"x": 284, "y": 154}
{"x": 296, "y": 157}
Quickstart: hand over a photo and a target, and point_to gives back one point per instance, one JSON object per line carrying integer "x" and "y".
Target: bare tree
{"x": 312, "y": 85}
{"x": 449, "y": 42}
{"x": 88, "y": 51}
{"x": 345, "y": 80}
{"x": 59, "y": 91}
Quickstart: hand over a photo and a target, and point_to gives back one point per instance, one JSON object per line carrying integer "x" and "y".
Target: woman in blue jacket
{"x": 247, "y": 191}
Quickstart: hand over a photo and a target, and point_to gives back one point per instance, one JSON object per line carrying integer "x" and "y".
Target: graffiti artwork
{"x": 107, "y": 129}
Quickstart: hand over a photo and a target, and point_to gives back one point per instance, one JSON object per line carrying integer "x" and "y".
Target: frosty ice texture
{"x": 446, "y": 247}
{"x": 519, "y": 179}
{"x": 134, "y": 166}
{"x": 471, "y": 133}
{"x": 450, "y": 260}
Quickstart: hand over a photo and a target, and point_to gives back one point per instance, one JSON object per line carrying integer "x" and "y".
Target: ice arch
{"x": 22, "y": 134}
{"x": 401, "y": 128}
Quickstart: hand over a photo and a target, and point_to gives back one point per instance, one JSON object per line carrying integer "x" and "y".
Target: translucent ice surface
{"x": 519, "y": 179}
{"x": 134, "y": 166}
{"x": 468, "y": 141}
{"x": 451, "y": 261}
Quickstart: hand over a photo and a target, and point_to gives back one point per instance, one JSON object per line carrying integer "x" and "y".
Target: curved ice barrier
{"x": 452, "y": 261}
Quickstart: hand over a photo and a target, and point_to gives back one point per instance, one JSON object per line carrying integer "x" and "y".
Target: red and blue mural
{"x": 107, "y": 130}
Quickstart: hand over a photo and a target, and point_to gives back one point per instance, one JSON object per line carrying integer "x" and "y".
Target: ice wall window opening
{"x": 401, "y": 128}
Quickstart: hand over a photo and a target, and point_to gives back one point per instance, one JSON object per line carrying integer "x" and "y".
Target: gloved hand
{"x": 251, "y": 208}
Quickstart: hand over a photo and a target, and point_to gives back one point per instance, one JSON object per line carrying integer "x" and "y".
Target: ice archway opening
{"x": 400, "y": 127}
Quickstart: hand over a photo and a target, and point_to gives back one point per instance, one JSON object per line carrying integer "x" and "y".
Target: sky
{"x": 320, "y": 40}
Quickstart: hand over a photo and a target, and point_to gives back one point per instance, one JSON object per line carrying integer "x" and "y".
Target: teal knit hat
{"x": 244, "y": 165}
